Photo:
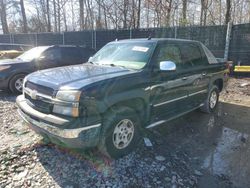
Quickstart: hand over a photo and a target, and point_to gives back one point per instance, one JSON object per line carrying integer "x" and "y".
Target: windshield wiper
{"x": 90, "y": 62}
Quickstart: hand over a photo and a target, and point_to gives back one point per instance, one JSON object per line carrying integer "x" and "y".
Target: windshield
{"x": 32, "y": 53}
{"x": 129, "y": 55}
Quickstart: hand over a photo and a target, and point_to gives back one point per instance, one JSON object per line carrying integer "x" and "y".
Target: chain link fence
{"x": 214, "y": 37}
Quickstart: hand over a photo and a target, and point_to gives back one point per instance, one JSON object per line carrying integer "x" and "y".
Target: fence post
{"x": 95, "y": 38}
{"x": 130, "y": 33}
{"x": 228, "y": 37}
{"x": 10, "y": 38}
{"x": 36, "y": 39}
{"x": 175, "y": 32}
{"x": 63, "y": 38}
{"x": 92, "y": 39}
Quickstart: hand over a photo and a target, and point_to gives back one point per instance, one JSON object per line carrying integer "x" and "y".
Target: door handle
{"x": 184, "y": 78}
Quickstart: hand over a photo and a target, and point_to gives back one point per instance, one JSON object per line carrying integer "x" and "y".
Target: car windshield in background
{"x": 32, "y": 53}
{"x": 129, "y": 55}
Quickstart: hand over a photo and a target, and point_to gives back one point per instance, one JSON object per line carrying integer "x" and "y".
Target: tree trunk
{"x": 3, "y": 17}
{"x": 169, "y": 13}
{"x": 139, "y": 14}
{"x": 81, "y": 4}
{"x": 228, "y": 13}
{"x": 65, "y": 20}
{"x": 202, "y": 12}
{"x": 25, "y": 27}
{"x": 125, "y": 4}
{"x": 55, "y": 15}
{"x": 58, "y": 16}
{"x": 184, "y": 12}
{"x": 48, "y": 16}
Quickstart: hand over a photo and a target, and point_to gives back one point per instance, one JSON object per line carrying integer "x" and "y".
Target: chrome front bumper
{"x": 74, "y": 138}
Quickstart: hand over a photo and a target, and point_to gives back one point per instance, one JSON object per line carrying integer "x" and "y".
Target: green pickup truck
{"x": 127, "y": 86}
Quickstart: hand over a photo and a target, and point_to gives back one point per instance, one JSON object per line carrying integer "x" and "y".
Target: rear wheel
{"x": 16, "y": 83}
{"x": 212, "y": 100}
{"x": 120, "y": 133}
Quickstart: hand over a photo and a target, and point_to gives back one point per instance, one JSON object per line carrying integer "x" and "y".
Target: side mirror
{"x": 167, "y": 66}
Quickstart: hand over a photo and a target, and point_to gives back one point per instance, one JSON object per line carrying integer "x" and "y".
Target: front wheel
{"x": 16, "y": 84}
{"x": 120, "y": 133}
{"x": 212, "y": 100}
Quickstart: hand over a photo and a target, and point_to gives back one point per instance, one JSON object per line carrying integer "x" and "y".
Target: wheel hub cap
{"x": 213, "y": 99}
{"x": 123, "y": 134}
{"x": 19, "y": 84}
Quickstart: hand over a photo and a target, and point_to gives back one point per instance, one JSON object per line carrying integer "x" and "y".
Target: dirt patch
{"x": 237, "y": 91}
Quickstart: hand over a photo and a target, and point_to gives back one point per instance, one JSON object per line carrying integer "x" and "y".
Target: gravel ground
{"x": 178, "y": 157}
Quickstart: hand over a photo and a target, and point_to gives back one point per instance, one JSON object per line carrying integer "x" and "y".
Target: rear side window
{"x": 210, "y": 56}
{"x": 71, "y": 54}
{"x": 191, "y": 54}
{"x": 52, "y": 54}
{"x": 86, "y": 53}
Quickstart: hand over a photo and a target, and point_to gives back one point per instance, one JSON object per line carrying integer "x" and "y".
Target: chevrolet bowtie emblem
{"x": 33, "y": 94}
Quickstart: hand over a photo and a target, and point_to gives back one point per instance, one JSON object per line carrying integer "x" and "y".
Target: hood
{"x": 10, "y": 61}
{"x": 75, "y": 77}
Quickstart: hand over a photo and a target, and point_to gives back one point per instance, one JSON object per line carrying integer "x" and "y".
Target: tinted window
{"x": 209, "y": 55}
{"x": 71, "y": 54}
{"x": 191, "y": 54}
{"x": 169, "y": 52}
{"x": 52, "y": 54}
{"x": 86, "y": 53}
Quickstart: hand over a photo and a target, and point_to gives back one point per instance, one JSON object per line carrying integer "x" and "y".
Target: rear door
{"x": 71, "y": 56}
{"x": 193, "y": 55}
{"x": 50, "y": 58}
{"x": 86, "y": 54}
{"x": 169, "y": 90}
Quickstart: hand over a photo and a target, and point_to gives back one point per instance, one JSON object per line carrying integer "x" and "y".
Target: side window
{"x": 209, "y": 56}
{"x": 169, "y": 52}
{"x": 53, "y": 54}
{"x": 191, "y": 55}
{"x": 71, "y": 55}
{"x": 86, "y": 53}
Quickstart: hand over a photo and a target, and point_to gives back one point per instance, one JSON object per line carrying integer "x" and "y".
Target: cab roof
{"x": 156, "y": 40}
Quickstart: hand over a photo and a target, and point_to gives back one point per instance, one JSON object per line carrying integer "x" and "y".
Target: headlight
{"x": 70, "y": 96}
{"x": 65, "y": 110}
{"x": 4, "y": 67}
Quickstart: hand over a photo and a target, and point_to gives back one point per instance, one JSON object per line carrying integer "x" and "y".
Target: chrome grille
{"x": 38, "y": 103}
{"x": 39, "y": 88}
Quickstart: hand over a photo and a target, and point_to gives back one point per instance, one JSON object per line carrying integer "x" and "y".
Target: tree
{"x": 184, "y": 12}
{"x": 25, "y": 26}
{"x": 81, "y": 15}
{"x": 3, "y": 16}
{"x": 228, "y": 12}
{"x": 48, "y": 15}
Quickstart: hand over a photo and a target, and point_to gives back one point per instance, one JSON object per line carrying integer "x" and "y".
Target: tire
{"x": 15, "y": 84}
{"x": 212, "y": 100}
{"x": 120, "y": 132}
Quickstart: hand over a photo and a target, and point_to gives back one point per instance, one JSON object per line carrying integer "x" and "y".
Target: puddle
{"x": 230, "y": 157}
